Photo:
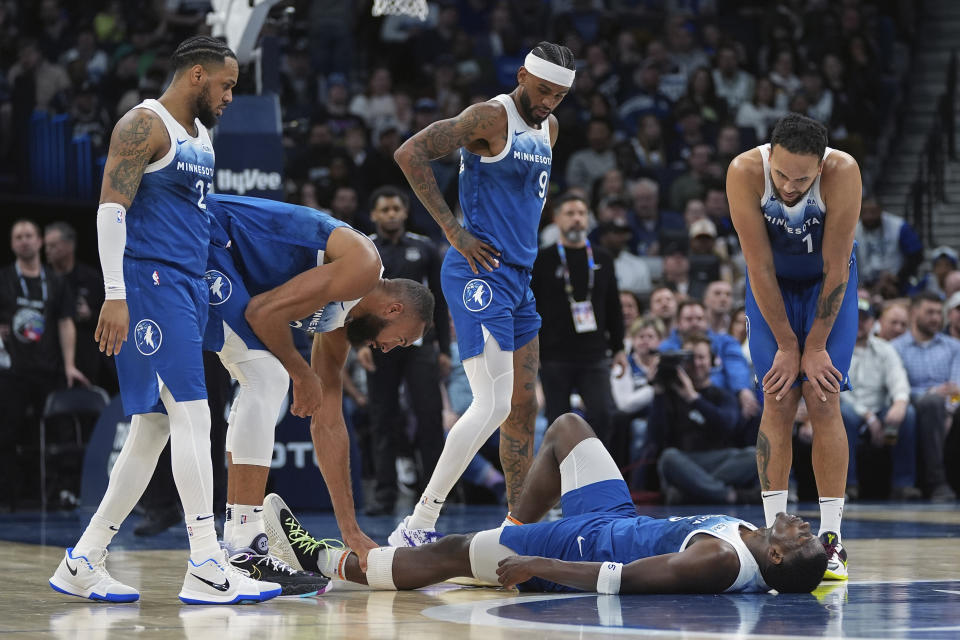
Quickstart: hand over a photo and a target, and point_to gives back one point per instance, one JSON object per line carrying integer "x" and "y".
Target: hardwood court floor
{"x": 905, "y": 566}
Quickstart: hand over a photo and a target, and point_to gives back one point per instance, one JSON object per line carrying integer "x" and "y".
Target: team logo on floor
{"x": 477, "y": 295}
{"x": 148, "y": 336}
{"x": 219, "y": 285}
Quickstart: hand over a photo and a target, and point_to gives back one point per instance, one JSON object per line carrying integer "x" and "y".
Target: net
{"x": 415, "y": 8}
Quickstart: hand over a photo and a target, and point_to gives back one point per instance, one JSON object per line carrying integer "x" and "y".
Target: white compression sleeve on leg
{"x": 491, "y": 380}
{"x": 112, "y": 240}
{"x": 380, "y": 568}
{"x": 253, "y": 417}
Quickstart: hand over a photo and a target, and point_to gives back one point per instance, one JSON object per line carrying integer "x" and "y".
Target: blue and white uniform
{"x": 796, "y": 239}
{"x": 257, "y": 245}
{"x": 502, "y": 198}
{"x": 168, "y": 233}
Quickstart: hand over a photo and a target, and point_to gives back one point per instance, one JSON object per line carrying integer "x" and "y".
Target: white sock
{"x": 831, "y": 511}
{"x": 331, "y": 563}
{"x": 97, "y": 535}
{"x": 247, "y": 525}
{"x": 228, "y": 522}
{"x": 773, "y": 503}
{"x": 202, "y": 536}
{"x": 491, "y": 380}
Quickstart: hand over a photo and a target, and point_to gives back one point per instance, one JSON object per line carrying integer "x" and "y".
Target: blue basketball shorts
{"x": 168, "y": 313}
{"x": 800, "y": 302}
{"x": 499, "y": 301}
{"x": 228, "y": 298}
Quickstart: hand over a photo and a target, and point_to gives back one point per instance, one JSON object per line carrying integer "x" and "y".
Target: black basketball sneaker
{"x": 293, "y": 544}
{"x": 257, "y": 562}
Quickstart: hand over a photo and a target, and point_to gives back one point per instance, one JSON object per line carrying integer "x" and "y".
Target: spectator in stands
{"x": 676, "y": 267}
{"x": 694, "y": 424}
{"x": 932, "y": 361}
{"x": 886, "y": 244}
{"x": 586, "y": 165}
{"x": 630, "y": 305}
{"x": 644, "y": 152}
{"x": 730, "y": 370}
{"x": 707, "y": 264}
{"x": 376, "y": 105}
{"x": 703, "y": 94}
{"x": 645, "y": 98}
{"x": 344, "y": 205}
{"x": 38, "y": 334}
{"x": 86, "y": 285}
{"x": 692, "y": 184}
{"x": 90, "y": 118}
{"x": 729, "y": 145}
{"x": 299, "y": 86}
{"x": 575, "y": 286}
{"x": 651, "y": 222}
{"x": 943, "y": 260}
{"x": 877, "y": 411}
{"x": 87, "y": 54}
{"x": 952, "y": 320}
{"x": 733, "y": 83}
{"x": 663, "y": 307}
{"x": 951, "y": 284}
{"x": 685, "y": 55}
{"x": 632, "y": 272}
{"x": 632, "y": 393}
{"x": 783, "y": 76}
{"x": 762, "y": 111}
{"x": 894, "y": 321}
{"x": 717, "y": 302}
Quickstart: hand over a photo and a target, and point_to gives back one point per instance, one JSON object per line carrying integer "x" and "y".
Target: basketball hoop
{"x": 414, "y": 8}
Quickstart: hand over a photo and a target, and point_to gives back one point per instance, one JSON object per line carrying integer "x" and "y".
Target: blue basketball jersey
{"x": 271, "y": 242}
{"x": 502, "y": 196}
{"x": 795, "y": 232}
{"x": 167, "y": 220}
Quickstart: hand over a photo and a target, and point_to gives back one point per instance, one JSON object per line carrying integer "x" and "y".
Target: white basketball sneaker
{"x": 87, "y": 577}
{"x": 216, "y": 581}
{"x": 403, "y": 536}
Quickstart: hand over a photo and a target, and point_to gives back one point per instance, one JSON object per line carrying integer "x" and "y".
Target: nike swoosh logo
{"x": 205, "y": 517}
{"x": 435, "y": 501}
{"x": 518, "y": 133}
{"x": 72, "y": 570}
{"x": 580, "y": 540}
{"x": 179, "y": 141}
{"x": 255, "y": 510}
{"x": 112, "y": 528}
{"x": 219, "y": 586}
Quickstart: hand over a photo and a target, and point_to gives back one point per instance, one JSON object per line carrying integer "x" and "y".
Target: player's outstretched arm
{"x": 137, "y": 138}
{"x": 842, "y": 190}
{"x": 480, "y": 124}
{"x": 354, "y": 270}
{"x": 709, "y": 566}
{"x": 744, "y": 177}
{"x": 331, "y": 442}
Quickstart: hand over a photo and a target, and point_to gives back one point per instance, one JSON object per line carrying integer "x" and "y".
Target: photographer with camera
{"x": 694, "y": 423}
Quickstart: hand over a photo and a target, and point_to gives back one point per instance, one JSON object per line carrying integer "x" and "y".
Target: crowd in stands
{"x": 667, "y": 93}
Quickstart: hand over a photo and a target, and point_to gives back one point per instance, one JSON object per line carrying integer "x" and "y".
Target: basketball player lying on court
{"x": 600, "y": 545}
{"x": 273, "y": 265}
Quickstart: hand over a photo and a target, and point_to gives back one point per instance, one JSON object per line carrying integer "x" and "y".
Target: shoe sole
{"x": 90, "y": 595}
{"x": 188, "y": 597}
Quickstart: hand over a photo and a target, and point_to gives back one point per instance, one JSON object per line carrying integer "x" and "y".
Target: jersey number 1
{"x": 200, "y": 184}
{"x": 809, "y": 240}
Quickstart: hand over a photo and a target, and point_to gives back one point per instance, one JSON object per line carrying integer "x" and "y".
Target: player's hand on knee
{"x": 820, "y": 372}
{"x": 307, "y": 395}
{"x": 783, "y": 372}
{"x": 112, "y": 327}
{"x": 513, "y": 570}
{"x": 475, "y": 251}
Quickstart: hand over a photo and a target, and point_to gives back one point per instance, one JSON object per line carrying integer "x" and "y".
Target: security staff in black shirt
{"x": 420, "y": 367}
{"x": 582, "y": 334}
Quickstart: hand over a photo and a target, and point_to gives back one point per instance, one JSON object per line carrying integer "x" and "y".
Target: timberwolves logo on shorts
{"x": 477, "y": 295}
{"x": 148, "y": 336}
{"x": 219, "y": 285}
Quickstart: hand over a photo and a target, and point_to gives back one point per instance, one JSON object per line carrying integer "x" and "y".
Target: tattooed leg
{"x": 774, "y": 442}
{"x": 516, "y": 433}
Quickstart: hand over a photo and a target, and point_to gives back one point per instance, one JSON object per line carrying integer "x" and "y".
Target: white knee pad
{"x": 486, "y": 552}
{"x": 253, "y": 417}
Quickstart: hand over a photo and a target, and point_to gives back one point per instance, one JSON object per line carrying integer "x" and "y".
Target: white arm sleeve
{"x": 112, "y": 240}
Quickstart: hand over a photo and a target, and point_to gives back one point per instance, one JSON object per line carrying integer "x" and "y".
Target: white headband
{"x": 549, "y": 71}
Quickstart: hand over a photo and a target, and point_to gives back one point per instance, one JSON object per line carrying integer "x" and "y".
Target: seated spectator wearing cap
{"x": 932, "y": 361}
{"x": 952, "y": 312}
{"x": 877, "y": 412}
{"x": 632, "y": 272}
{"x": 943, "y": 260}
{"x": 886, "y": 244}
{"x": 706, "y": 262}
{"x": 894, "y": 320}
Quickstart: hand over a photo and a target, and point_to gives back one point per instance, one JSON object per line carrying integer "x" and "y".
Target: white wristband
{"x": 112, "y": 240}
{"x": 608, "y": 580}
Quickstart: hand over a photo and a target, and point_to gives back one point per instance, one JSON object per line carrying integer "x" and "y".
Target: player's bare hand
{"x": 112, "y": 327}
{"x": 818, "y": 367}
{"x": 474, "y": 250}
{"x": 361, "y": 544}
{"x": 365, "y": 358}
{"x": 75, "y": 376}
{"x": 783, "y": 372}
{"x": 513, "y": 570}
{"x": 307, "y": 395}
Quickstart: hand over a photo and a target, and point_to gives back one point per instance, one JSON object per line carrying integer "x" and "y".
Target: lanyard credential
{"x": 591, "y": 275}
{"x": 23, "y": 283}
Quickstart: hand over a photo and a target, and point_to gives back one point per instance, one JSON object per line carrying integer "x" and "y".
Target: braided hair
{"x": 202, "y": 50}
{"x": 555, "y": 53}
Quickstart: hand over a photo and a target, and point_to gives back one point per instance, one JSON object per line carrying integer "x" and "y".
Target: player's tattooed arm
{"x": 476, "y": 123}
{"x": 135, "y": 141}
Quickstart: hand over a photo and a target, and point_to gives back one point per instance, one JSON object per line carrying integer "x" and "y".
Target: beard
{"x": 365, "y": 329}
{"x": 782, "y": 199}
{"x": 528, "y": 108}
{"x": 205, "y": 112}
{"x": 575, "y": 236}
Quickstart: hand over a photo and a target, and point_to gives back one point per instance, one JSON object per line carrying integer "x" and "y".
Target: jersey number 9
{"x": 543, "y": 180}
